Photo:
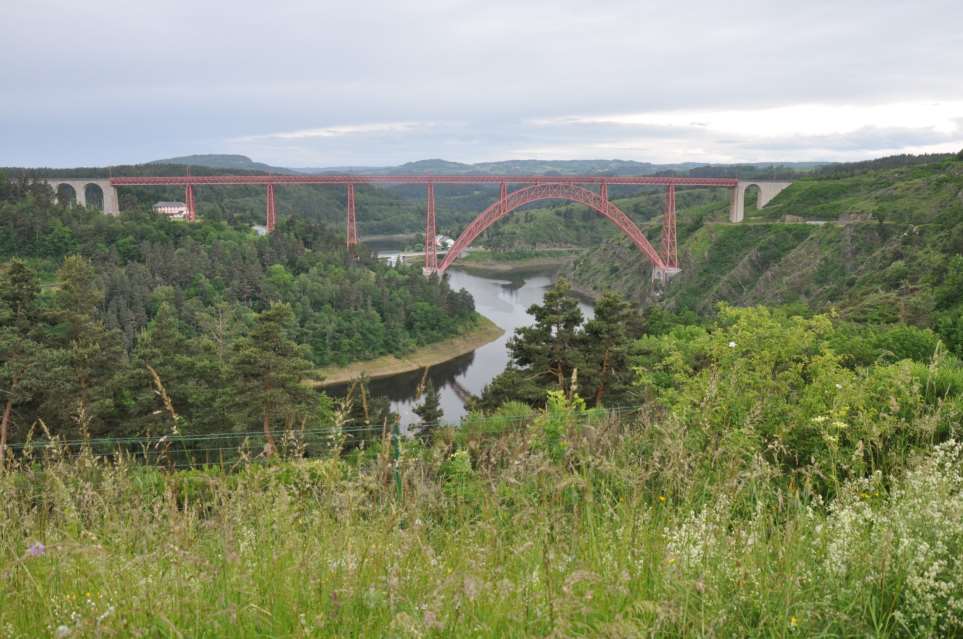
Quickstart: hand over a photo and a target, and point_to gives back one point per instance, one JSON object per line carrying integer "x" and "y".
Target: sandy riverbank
{"x": 486, "y": 331}
{"x": 481, "y": 266}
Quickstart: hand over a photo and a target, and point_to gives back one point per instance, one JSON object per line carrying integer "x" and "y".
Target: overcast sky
{"x": 378, "y": 82}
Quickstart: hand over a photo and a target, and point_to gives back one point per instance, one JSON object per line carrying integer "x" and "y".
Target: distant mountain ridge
{"x": 224, "y": 161}
{"x": 528, "y": 167}
{"x": 438, "y": 166}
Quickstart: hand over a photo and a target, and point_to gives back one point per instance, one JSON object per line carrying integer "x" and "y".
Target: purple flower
{"x": 36, "y": 549}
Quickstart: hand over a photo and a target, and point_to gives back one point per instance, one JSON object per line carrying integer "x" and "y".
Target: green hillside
{"x": 881, "y": 245}
{"x": 928, "y": 193}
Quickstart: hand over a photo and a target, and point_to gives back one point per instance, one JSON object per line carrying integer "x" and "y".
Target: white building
{"x": 173, "y": 210}
{"x": 444, "y": 242}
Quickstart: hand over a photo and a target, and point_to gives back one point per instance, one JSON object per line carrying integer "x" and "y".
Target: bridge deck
{"x": 184, "y": 180}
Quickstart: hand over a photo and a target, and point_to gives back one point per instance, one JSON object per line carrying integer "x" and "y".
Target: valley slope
{"x": 880, "y": 245}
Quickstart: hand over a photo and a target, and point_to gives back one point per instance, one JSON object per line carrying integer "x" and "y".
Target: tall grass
{"x": 570, "y": 523}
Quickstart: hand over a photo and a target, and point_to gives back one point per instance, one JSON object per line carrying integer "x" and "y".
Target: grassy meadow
{"x": 561, "y": 523}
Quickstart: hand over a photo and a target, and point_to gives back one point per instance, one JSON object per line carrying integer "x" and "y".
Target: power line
{"x": 141, "y": 448}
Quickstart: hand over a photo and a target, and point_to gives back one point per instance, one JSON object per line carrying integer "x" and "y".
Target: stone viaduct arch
{"x": 65, "y": 194}
{"x": 79, "y": 185}
{"x": 767, "y": 191}
{"x": 555, "y": 191}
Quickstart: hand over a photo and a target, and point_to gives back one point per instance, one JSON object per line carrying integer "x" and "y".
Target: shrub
{"x": 761, "y": 383}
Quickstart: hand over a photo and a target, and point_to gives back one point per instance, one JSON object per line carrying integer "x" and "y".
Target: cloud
{"x": 800, "y": 131}
{"x": 381, "y": 82}
{"x": 338, "y": 131}
{"x": 797, "y": 119}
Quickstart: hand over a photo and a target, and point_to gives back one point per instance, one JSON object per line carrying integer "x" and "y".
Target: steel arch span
{"x": 552, "y": 191}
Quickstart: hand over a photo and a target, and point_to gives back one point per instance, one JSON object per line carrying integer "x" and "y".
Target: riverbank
{"x": 484, "y": 262}
{"x": 486, "y": 331}
{"x": 388, "y": 237}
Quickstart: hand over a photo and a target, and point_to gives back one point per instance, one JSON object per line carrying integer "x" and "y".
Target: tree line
{"x": 103, "y": 317}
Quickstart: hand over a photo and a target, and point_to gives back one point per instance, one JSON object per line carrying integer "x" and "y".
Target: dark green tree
{"x": 543, "y": 355}
{"x": 270, "y": 369}
{"x": 429, "y": 412}
{"x": 549, "y": 347}
{"x": 86, "y": 361}
{"x": 510, "y": 385}
{"x": 20, "y": 354}
{"x": 190, "y": 371}
{"x": 605, "y": 349}
{"x": 18, "y": 293}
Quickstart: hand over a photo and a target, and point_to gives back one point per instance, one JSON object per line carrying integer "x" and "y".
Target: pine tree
{"x": 270, "y": 368}
{"x": 430, "y": 413}
{"x": 87, "y": 361}
{"x": 20, "y": 354}
{"x": 549, "y": 347}
{"x": 18, "y": 293}
{"x": 605, "y": 347}
{"x": 163, "y": 349}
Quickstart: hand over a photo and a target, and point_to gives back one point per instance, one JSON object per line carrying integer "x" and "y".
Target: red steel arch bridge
{"x": 515, "y": 191}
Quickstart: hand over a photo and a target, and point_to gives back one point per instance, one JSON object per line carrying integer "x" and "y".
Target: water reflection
{"x": 504, "y": 300}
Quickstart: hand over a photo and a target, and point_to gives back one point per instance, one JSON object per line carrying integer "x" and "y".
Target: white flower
{"x": 62, "y": 632}
{"x": 839, "y": 386}
{"x": 732, "y": 344}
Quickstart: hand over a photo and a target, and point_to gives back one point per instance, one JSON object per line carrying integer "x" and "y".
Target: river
{"x": 504, "y": 300}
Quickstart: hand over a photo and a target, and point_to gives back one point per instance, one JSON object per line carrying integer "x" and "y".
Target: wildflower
{"x": 661, "y": 499}
{"x": 732, "y": 344}
{"x": 62, "y": 632}
{"x": 472, "y": 587}
{"x": 36, "y": 549}
{"x": 839, "y": 386}
{"x": 431, "y": 621}
{"x": 793, "y": 622}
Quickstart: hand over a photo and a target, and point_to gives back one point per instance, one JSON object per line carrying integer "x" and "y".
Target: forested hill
{"x": 877, "y": 244}
{"x": 227, "y": 162}
{"x": 187, "y": 298}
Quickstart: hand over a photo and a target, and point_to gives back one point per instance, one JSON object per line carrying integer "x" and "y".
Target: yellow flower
{"x": 662, "y": 498}
{"x": 793, "y": 621}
